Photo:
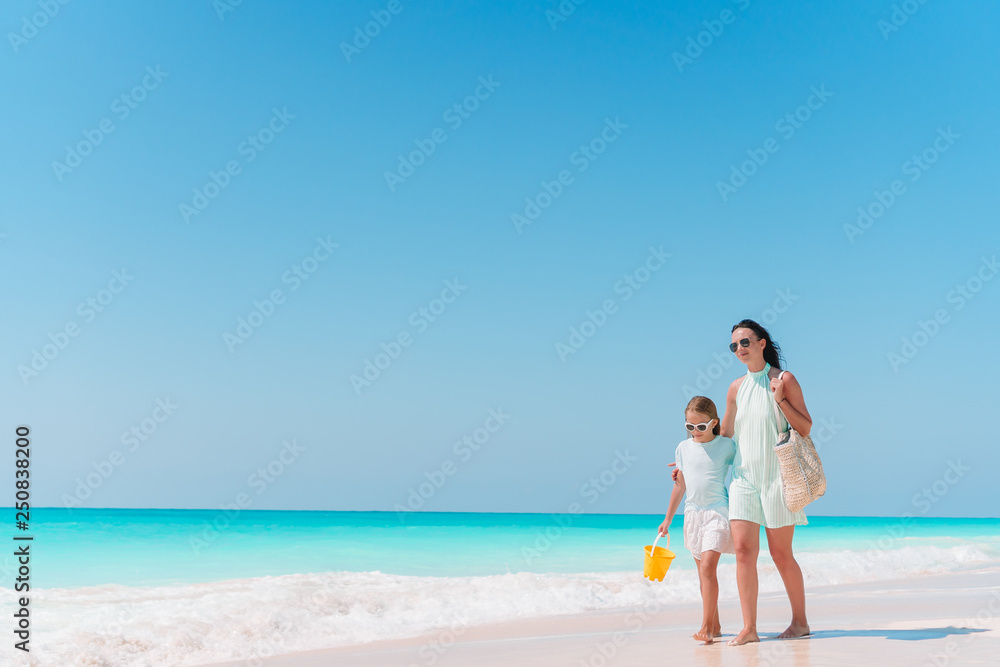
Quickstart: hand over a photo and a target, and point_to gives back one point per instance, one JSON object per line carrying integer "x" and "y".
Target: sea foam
{"x": 250, "y": 619}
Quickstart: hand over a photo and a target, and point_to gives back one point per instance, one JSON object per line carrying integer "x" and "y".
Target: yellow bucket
{"x": 658, "y": 560}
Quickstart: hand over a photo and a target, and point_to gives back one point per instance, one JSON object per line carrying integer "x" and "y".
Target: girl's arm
{"x": 788, "y": 395}
{"x": 675, "y": 501}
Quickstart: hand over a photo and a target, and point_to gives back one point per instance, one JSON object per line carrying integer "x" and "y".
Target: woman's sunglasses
{"x": 744, "y": 342}
{"x": 701, "y": 427}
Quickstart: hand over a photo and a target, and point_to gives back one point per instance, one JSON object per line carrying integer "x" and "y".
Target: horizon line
{"x": 414, "y": 512}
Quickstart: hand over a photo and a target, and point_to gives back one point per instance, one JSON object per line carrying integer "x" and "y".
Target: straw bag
{"x": 802, "y": 478}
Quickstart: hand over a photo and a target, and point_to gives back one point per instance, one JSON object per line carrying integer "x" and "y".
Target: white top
{"x": 705, "y": 467}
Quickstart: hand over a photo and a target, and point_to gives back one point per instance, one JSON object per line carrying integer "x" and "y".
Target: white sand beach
{"x": 932, "y": 620}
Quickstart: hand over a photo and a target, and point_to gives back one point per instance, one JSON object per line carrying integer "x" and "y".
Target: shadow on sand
{"x": 904, "y": 635}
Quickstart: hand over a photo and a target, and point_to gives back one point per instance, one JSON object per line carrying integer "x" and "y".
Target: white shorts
{"x": 707, "y": 530}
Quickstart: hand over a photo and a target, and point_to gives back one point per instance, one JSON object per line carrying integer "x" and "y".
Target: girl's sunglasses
{"x": 701, "y": 427}
{"x": 744, "y": 342}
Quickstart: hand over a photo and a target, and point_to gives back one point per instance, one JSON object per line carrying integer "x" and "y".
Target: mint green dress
{"x": 755, "y": 494}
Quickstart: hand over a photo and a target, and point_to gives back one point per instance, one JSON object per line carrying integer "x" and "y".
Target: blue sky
{"x": 598, "y": 110}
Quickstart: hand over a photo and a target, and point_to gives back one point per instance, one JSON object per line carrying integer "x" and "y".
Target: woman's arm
{"x": 729, "y": 417}
{"x": 675, "y": 501}
{"x": 788, "y": 396}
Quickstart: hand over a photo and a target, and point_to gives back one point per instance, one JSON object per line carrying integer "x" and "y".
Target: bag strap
{"x": 777, "y": 411}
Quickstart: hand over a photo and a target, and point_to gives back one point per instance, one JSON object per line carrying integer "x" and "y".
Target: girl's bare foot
{"x": 705, "y": 635}
{"x": 794, "y": 631}
{"x": 716, "y": 630}
{"x": 746, "y": 636}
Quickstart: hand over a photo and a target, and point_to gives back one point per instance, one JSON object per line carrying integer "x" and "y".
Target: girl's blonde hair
{"x": 704, "y": 405}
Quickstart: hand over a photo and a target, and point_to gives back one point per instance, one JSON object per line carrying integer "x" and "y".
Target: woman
{"x": 755, "y": 494}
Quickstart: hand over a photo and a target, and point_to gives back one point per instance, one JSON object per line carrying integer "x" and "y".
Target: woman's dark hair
{"x": 772, "y": 353}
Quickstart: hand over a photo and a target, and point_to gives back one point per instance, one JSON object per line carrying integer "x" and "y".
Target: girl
{"x": 703, "y": 461}
{"x": 755, "y": 495}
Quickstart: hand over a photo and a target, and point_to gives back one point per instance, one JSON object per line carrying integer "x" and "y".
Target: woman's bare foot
{"x": 716, "y": 631}
{"x": 794, "y": 631}
{"x": 746, "y": 636}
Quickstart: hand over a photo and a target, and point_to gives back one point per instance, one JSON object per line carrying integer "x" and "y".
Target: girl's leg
{"x": 746, "y": 539}
{"x": 701, "y": 586}
{"x": 779, "y": 543}
{"x": 709, "y": 582}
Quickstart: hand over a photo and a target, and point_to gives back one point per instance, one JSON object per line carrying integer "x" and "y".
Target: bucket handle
{"x": 653, "y": 550}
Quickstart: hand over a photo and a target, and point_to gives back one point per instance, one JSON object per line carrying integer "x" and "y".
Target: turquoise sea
{"x": 135, "y": 547}
{"x": 109, "y": 584}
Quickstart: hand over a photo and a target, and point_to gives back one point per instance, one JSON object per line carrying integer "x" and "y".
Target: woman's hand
{"x": 778, "y": 387}
{"x": 664, "y": 527}
{"x": 787, "y": 389}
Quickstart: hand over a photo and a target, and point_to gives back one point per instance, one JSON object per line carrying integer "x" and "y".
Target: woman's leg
{"x": 709, "y": 582}
{"x": 746, "y": 540}
{"x": 779, "y": 543}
